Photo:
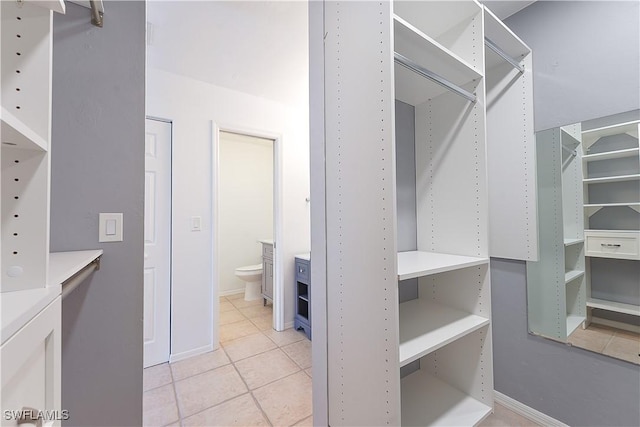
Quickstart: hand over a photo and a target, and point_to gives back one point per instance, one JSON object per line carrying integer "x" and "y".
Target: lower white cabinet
{"x": 31, "y": 365}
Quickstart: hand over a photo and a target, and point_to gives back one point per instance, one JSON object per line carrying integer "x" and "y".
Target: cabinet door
{"x": 268, "y": 274}
{"x": 31, "y": 364}
{"x": 265, "y": 262}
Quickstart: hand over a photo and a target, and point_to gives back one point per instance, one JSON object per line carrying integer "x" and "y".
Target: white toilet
{"x": 252, "y": 275}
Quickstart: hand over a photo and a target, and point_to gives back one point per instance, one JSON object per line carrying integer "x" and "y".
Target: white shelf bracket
{"x": 592, "y": 210}
{"x": 635, "y": 208}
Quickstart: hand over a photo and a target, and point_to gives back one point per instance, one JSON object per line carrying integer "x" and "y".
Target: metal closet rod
{"x": 418, "y": 69}
{"x": 97, "y": 14}
{"x": 73, "y": 282}
{"x": 494, "y": 47}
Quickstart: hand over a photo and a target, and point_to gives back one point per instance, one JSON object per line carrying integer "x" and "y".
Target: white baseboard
{"x": 187, "y": 354}
{"x": 288, "y": 325}
{"x": 231, "y": 292}
{"x": 616, "y": 324}
{"x": 526, "y": 411}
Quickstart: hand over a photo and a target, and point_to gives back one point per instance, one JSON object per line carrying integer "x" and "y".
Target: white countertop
{"x": 20, "y": 307}
{"x": 306, "y": 256}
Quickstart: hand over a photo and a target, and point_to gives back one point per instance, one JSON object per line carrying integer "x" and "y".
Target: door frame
{"x": 171, "y": 214}
{"x": 278, "y": 287}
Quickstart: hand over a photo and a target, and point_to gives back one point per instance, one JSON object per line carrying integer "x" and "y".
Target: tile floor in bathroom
{"x": 258, "y": 377}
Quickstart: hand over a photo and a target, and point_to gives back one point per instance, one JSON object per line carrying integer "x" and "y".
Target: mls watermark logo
{"x": 35, "y": 416}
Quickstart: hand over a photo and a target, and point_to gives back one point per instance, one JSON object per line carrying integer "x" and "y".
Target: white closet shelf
{"x": 572, "y": 275}
{"x": 611, "y": 205}
{"x": 433, "y": 402}
{"x": 592, "y": 135}
{"x": 569, "y": 242}
{"x": 18, "y": 135}
{"x": 618, "y": 178}
{"x": 413, "y": 44}
{"x": 54, "y": 5}
{"x": 573, "y": 322}
{"x": 502, "y": 36}
{"x": 64, "y": 265}
{"x": 414, "y": 264}
{"x": 607, "y": 155}
{"x": 617, "y": 307}
{"x": 438, "y": 17}
{"x": 426, "y": 326}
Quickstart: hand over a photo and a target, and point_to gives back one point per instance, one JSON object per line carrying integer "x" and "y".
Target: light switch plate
{"x": 196, "y": 223}
{"x": 110, "y": 227}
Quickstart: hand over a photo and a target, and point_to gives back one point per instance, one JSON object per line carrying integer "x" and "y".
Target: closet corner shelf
{"x": 607, "y": 155}
{"x": 426, "y": 326}
{"x": 572, "y": 275}
{"x": 414, "y": 264}
{"x": 592, "y": 135}
{"x": 617, "y": 307}
{"x": 569, "y": 242}
{"x": 436, "y": 403}
{"x": 618, "y": 178}
{"x": 16, "y": 134}
{"x": 573, "y": 322}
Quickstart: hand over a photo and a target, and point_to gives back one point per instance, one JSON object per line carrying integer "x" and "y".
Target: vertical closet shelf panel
{"x": 25, "y": 242}
{"x": 26, "y": 54}
{"x": 360, "y": 197}
{"x": 546, "y": 299}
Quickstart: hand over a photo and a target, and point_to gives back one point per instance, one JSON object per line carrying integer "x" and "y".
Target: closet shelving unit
{"x": 444, "y": 334}
{"x": 557, "y": 284}
{"x": 32, "y": 280}
{"x": 426, "y": 359}
{"x": 612, "y": 187}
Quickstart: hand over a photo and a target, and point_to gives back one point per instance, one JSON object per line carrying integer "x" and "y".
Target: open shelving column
{"x": 612, "y": 194}
{"x": 444, "y": 334}
{"x": 557, "y": 290}
{"x": 25, "y": 132}
{"x": 426, "y": 361}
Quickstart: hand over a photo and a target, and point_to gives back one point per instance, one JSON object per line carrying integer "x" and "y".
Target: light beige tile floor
{"x": 258, "y": 377}
{"x": 609, "y": 341}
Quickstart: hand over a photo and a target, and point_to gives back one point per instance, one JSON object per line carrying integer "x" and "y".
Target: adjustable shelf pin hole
{"x": 16, "y": 179}
{"x": 15, "y": 252}
{"x": 9, "y": 143}
{"x": 16, "y": 161}
{"x": 16, "y": 216}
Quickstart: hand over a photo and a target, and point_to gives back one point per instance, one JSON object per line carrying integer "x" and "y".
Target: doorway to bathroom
{"x": 246, "y": 208}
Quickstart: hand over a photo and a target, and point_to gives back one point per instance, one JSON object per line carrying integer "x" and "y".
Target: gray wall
{"x": 586, "y": 58}
{"x": 575, "y": 386}
{"x": 570, "y": 41}
{"x": 98, "y": 166}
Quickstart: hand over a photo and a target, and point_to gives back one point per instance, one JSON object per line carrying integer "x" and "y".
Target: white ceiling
{"x": 256, "y": 47}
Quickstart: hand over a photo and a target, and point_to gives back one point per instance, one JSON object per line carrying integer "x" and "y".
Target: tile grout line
{"x": 175, "y": 394}
{"x": 264, "y": 414}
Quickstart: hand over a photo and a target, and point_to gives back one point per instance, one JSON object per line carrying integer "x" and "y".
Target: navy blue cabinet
{"x": 302, "y": 320}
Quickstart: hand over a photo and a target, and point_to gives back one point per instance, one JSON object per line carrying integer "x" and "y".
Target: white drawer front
{"x": 623, "y": 246}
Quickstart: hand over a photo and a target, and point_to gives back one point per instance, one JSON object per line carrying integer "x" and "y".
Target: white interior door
{"x": 157, "y": 242}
